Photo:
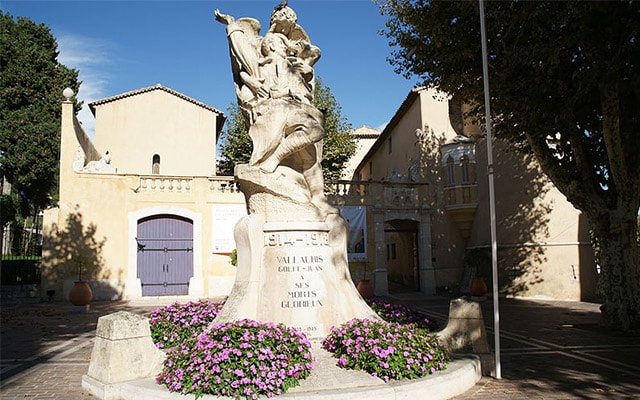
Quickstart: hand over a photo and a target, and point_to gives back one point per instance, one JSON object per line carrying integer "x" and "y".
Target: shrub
{"x": 386, "y": 350}
{"x": 242, "y": 359}
{"x": 177, "y": 322}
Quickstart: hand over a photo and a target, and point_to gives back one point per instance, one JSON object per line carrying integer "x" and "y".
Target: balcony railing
{"x": 379, "y": 194}
{"x": 224, "y": 184}
{"x": 159, "y": 183}
{"x": 386, "y": 194}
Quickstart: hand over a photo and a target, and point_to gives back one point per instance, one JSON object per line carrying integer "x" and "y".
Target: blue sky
{"x": 123, "y": 45}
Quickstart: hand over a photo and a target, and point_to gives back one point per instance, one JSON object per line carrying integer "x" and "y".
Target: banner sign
{"x": 224, "y": 219}
{"x": 357, "y": 218}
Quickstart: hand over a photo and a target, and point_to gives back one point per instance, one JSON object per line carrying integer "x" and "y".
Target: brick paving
{"x": 549, "y": 350}
{"x": 553, "y": 350}
{"x": 46, "y": 347}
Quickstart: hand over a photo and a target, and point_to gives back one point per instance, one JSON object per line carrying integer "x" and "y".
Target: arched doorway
{"x": 165, "y": 255}
{"x": 401, "y": 240}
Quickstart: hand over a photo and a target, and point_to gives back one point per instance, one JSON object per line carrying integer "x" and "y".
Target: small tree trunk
{"x": 25, "y": 241}
{"x": 619, "y": 283}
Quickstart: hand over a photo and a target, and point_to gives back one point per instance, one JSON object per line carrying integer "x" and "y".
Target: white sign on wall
{"x": 357, "y": 218}
{"x": 224, "y": 219}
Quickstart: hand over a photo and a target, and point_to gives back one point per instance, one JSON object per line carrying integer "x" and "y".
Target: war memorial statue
{"x": 292, "y": 246}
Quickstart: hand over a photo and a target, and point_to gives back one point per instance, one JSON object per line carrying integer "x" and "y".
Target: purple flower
{"x": 218, "y": 361}
{"x": 387, "y": 350}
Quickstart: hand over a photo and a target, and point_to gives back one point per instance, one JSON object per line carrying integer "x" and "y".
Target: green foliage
{"x": 233, "y": 257}
{"x": 8, "y": 209}
{"x": 560, "y": 55}
{"x": 479, "y": 260}
{"x": 565, "y": 85}
{"x": 235, "y": 145}
{"x": 31, "y": 86}
{"x": 339, "y": 145}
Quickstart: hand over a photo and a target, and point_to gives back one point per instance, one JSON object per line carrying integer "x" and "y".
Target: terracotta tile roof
{"x": 95, "y": 103}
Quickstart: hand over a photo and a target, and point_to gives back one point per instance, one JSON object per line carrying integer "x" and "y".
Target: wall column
{"x": 380, "y": 279}
{"x": 425, "y": 257}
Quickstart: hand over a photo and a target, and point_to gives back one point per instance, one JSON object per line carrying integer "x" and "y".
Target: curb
{"x": 462, "y": 373}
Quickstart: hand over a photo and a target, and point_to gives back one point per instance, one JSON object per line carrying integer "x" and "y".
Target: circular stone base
{"x": 327, "y": 381}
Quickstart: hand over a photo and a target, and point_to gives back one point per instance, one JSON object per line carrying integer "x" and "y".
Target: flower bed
{"x": 240, "y": 359}
{"x": 387, "y": 350}
{"x": 177, "y": 322}
{"x": 398, "y": 313}
{"x": 247, "y": 359}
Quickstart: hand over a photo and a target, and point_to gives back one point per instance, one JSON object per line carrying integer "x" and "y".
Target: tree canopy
{"x": 235, "y": 146}
{"x": 339, "y": 144}
{"x": 564, "y": 85}
{"x": 31, "y": 85}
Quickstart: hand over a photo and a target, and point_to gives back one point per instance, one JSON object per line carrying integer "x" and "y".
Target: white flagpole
{"x": 492, "y": 200}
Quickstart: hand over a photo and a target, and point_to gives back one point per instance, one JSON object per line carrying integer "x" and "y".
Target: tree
{"x": 565, "y": 86}
{"x": 339, "y": 145}
{"x": 235, "y": 145}
{"x": 31, "y": 86}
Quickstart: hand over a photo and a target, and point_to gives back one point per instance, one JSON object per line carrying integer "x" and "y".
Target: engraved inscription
{"x": 296, "y": 239}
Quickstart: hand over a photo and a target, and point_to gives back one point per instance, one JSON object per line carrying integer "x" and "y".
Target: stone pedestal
{"x": 465, "y": 332}
{"x": 295, "y": 273}
{"x": 123, "y": 351}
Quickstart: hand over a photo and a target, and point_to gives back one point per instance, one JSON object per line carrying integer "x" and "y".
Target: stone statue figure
{"x": 274, "y": 81}
{"x": 292, "y": 246}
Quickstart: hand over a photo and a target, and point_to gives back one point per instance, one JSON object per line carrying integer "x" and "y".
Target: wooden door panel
{"x": 165, "y": 255}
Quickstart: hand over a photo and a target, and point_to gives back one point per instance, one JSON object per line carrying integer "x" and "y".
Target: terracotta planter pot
{"x": 81, "y": 293}
{"x": 365, "y": 288}
{"x": 478, "y": 287}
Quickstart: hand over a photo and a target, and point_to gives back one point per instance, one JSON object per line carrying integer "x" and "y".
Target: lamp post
{"x": 492, "y": 200}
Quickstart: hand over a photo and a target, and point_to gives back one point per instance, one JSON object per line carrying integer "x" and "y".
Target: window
{"x": 450, "y": 171}
{"x": 155, "y": 166}
{"x": 464, "y": 165}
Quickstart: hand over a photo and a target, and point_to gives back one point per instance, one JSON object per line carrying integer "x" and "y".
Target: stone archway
{"x": 402, "y": 255}
{"x": 417, "y": 236}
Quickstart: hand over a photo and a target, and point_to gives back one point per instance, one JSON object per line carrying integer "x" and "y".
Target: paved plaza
{"x": 549, "y": 349}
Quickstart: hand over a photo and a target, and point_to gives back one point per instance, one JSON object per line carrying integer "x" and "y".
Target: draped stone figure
{"x": 292, "y": 247}
{"x": 274, "y": 81}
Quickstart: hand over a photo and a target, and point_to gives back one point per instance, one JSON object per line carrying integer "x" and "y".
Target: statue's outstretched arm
{"x": 243, "y": 38}
{"x": 223, "y": 18}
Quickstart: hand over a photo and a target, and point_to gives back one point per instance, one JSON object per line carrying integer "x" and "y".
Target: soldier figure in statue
{"x": 274, "y": 80}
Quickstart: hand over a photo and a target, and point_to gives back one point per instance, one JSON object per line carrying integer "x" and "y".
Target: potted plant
{"x": 364, "y": 286}
{"x": 480, "y": 263}
{"x": 80, "y": 293}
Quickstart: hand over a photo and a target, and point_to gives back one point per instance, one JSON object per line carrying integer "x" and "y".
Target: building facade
{"x": 140, "y": 209}
{"x": 543, "y": 243}
{"x": 143, "y": 215}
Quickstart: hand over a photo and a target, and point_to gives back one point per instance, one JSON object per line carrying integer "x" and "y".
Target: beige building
{"x": 543, "y": 243}
{"x": 143, "y": 213}
{"x": 365, "y": 137}
{"x": 140, "y": 206}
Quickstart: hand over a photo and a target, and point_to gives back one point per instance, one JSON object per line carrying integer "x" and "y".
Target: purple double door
{"x": 165, "y": 255}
